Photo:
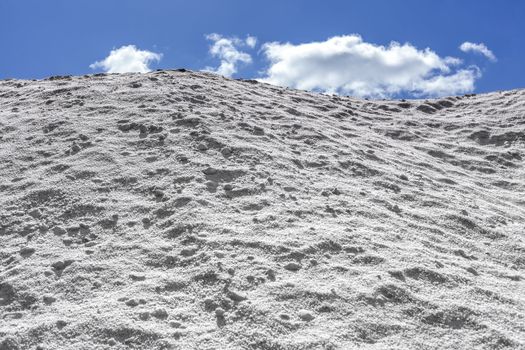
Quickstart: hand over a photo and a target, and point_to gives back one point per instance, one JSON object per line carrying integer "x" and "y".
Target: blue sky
{"x": 58, "y": 37}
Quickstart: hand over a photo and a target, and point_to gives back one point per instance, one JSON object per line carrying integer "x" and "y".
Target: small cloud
{"x": 227, "y": 50}
{"x": 251, "y": 41}
{"x": 478, "y": 48}
{"x": 127, "y": 59}
{"x": 348, "y": 65}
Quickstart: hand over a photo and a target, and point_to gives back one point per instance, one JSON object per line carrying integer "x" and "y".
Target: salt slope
{"x": 184, "y": 210}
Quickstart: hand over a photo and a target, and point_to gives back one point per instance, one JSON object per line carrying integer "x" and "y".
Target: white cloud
{"x": 227, "y": 49}
{"x": 251, "y": 41}
{"x": 478, "y": 48}
{"x": 348, "y": 65}
{"x": 127, "y": 59}
{"x": 460, "y": 82}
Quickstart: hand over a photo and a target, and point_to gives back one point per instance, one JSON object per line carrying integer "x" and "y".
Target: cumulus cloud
{"x": 251, "y": 41}
{"x": 127, "y": 59}
{"x": 228, "y": 51}
{"x": 348, "y": 65}
{"x": 478, "y": 48}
